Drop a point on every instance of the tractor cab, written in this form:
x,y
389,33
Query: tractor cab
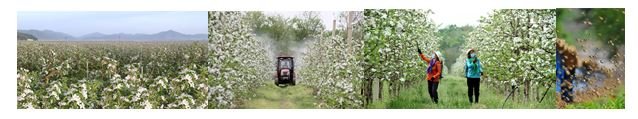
x,y
285,71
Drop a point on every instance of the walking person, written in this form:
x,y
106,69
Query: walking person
x,y
434,73
473,73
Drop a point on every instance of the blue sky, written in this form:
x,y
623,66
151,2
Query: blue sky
x,y
81,23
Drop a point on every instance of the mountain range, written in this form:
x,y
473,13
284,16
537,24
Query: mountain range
x,y
96,36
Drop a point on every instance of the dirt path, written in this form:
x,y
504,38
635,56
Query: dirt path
x,y
273,97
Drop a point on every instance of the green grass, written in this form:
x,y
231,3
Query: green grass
x,y
453,95
614,102
273,97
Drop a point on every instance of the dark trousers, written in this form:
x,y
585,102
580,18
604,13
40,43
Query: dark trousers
x,y
566,91
473,85
432,86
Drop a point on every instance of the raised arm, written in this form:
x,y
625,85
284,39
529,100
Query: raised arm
x,y
426,59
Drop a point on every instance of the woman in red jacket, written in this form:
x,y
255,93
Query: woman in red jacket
x,y
434,73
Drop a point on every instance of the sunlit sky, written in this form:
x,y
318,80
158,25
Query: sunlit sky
x,y
325,16
81,23
458,16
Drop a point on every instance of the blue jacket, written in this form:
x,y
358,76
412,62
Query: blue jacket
x,y
560,72
473,70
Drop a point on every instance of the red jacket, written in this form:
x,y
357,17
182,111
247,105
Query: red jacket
x,y
436,70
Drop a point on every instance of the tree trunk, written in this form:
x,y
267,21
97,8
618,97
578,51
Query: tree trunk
x,y
389,87
381,87
526,90
365,91
375,90
349,31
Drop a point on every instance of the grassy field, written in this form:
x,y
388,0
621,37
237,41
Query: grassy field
x,y
273,97
617,101
453,95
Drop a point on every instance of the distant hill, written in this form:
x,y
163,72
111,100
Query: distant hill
x,y
93,35
161,36
48,34
164,35
24,36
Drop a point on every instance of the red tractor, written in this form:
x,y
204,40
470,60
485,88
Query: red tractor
x,y
285,71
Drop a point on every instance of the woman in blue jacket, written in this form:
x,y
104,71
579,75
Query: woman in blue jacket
x,y
473,72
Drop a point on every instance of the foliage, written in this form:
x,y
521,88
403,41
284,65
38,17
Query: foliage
x,y
95,75
516,47
286,32
238,63
603,24
332,67
391,43
452,39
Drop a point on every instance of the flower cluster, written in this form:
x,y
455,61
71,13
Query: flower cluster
x,y
81,75
238,62
516,48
